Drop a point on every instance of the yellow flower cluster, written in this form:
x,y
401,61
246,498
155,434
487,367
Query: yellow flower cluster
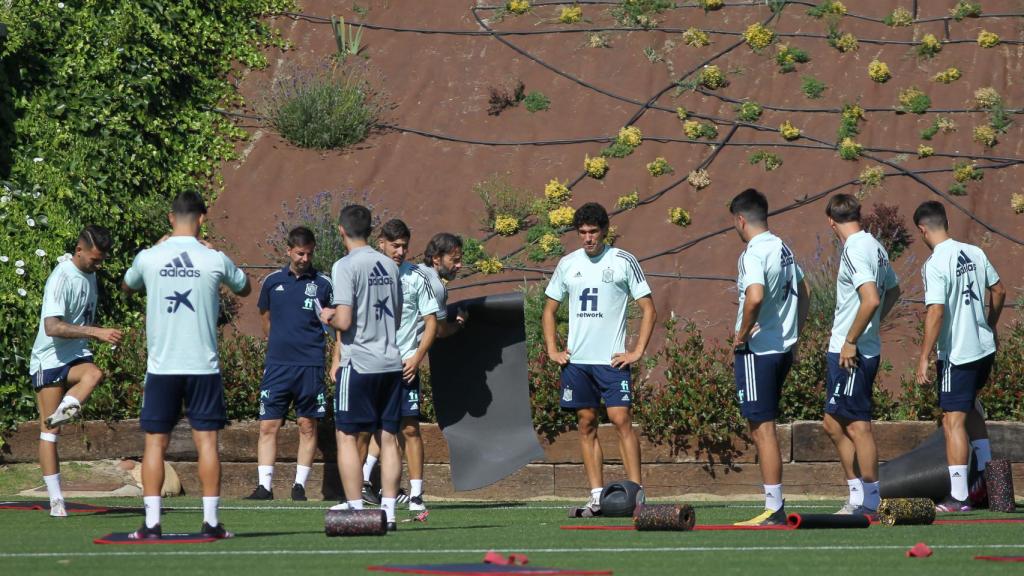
x,y
871,176
550,243
630,136
758,36
628,202
570,14
659,167
611,236
518,6
693,129
596,167
699,179
849,149
561,216
852,113
930,45
900,17
788,131
710,4
907,97
489,266
696,37
879,71
985,134
987,97
506,225
681,113
836,7
966,171
557,192
946,76
711,77
924,151
679,217
1017,203
846,43
987,39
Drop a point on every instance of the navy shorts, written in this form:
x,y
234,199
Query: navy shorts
x,y
367,402
56,376
282,385
959,384
759,379
411,397
850,391
202,394
584,385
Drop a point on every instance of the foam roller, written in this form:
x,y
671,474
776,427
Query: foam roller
x,y
675,517
906,511
355,523
999,482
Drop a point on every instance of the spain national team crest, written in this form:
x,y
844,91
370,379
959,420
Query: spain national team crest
x,y
311,290
608,276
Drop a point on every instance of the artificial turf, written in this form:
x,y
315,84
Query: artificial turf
x,y
285,538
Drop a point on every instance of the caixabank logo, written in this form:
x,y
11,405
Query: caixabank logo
x,y
180,267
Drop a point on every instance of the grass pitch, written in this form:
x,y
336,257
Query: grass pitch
x,y
284,537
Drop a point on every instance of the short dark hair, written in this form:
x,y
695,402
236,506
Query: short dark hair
x,y
301,236
843,208
442,243
931,214
188,204
357,221
592,214
93,236
752,205
395,229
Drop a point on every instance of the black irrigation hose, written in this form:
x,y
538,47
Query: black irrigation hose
x,y
731,100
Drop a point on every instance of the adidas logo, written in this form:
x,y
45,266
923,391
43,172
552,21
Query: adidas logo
x,y
578,275
379,276
964,264
831,400
956,475
280,288
321,410
414,407
962,259
180,267
625,398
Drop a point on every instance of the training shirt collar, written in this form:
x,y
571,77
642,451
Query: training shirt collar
x,y
288,271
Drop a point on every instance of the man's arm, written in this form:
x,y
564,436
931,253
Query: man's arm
x,y
869,302
932,327
246,289
412,365
752,301
550,338
265,322
446,328
336,356
892,296
803,304
650,316
997,298
340,318
56,327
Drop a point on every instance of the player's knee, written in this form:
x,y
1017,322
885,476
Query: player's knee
x,y
622,421
411,431
270,427
307,428
93,375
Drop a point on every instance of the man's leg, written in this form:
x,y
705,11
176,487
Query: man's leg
x,y
413,455
153,475
957,452
47,399
306,454
768,456
844,445
629,444
266,454
590,447
81,379
349,466
862,436
390,472
209,474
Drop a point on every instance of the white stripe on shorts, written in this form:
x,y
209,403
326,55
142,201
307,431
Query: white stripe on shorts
x,y
849,382
343,389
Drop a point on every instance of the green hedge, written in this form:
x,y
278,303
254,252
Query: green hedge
x,y
112,106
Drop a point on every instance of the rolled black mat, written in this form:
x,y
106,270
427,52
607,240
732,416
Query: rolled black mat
x,y
355,523
812,521
906,511
920,473
676,517
999,482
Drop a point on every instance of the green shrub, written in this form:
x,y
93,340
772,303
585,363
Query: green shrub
x,y
501,197
331,107
536,101
639,13
748,111
812,87
548,417
787,57
770,161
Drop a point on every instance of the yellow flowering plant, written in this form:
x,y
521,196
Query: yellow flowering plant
x,y
987,98
947,76
596,167
929,46
561,216
628,202
849,149
679,217
631,136
1017,203
988,39
696,37
711,77
900,17
517,6
506,225
924,151
659,167
758,36
871,177
788,131
556,192
570,14
489,266
986,135
879,71
699,179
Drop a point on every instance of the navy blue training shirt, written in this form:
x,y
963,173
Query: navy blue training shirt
x,y
296,334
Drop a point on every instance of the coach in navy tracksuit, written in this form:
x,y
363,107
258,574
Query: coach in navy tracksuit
x,y
290,302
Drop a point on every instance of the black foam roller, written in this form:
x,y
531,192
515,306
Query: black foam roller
x,y
921,473
355,523
672,517
813,521
999,482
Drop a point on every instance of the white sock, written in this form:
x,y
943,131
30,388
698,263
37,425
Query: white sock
x,y
856,492
355,504
152,504
872,495
210,505
388,506
415,487
53,486
595,495
773,497
68,401
958,482
302,474
371,461
266,476
982,452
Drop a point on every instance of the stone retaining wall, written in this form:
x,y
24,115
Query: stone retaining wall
x,y
810,466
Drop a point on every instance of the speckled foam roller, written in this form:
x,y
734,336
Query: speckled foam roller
x,y
355,523
674,517
906,511
999,481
